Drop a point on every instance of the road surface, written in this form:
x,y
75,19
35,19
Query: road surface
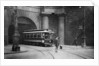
x,y
36,52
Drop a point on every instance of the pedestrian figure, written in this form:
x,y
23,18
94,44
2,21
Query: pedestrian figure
x,y
57,44
61,47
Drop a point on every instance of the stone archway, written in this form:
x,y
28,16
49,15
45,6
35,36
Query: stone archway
x,y
24,23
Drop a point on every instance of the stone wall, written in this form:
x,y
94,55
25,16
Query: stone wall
x,y
7,21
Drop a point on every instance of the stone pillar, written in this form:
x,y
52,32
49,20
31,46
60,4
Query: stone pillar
x,y
61,29
6,25
45,22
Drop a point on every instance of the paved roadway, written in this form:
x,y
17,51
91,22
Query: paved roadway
x,y
36,52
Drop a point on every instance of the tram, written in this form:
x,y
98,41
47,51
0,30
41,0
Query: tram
x,y
38,37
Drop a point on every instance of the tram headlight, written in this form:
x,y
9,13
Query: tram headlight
x,y
42,41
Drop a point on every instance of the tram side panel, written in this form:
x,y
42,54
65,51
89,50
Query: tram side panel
x,y
36,39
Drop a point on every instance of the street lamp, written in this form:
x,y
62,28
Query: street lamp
x,y
16,35
83,27
84,45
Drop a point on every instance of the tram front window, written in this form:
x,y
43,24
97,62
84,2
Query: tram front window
x,y
47,36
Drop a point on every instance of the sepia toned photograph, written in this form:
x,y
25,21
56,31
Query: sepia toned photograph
x,y
48,32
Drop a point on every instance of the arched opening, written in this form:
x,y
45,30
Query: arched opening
x,y
24,23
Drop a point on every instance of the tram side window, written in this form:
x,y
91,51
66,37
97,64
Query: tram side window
x,y
34,35
29,36
25,35
39,36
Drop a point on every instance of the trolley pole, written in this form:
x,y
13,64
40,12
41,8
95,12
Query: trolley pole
x,y
84,34
16,35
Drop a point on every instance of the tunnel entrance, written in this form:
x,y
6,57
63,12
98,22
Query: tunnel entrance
x,y
24,23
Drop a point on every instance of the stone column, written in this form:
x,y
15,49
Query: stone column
x,y
6,25
45,22
61,29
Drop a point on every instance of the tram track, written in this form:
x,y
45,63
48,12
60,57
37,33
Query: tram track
x,y
51,54
44,52
37,50
47,52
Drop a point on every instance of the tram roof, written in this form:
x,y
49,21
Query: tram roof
x,y
38,31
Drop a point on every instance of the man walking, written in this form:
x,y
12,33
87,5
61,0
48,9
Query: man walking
x,y
57,44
